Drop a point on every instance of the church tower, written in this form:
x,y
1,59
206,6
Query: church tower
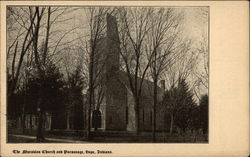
x,y
112,47
115,92
107,54
113,106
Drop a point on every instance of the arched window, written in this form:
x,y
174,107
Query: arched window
x,y
96,119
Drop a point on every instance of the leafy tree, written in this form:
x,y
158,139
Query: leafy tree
x,y
204,113
52,86
15,103
75,85
24,100
186,105
169,100
179,104
195,122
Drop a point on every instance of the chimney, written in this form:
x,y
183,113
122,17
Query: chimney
x,y
162,84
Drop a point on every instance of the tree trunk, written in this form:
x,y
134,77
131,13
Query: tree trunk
x,y
31,121
137,120
52,121
68,121
23,119
91,91
40,136
40,104
89,115
23,122
154,111
171,124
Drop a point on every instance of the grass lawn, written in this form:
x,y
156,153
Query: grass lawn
x,y
14,139
104,137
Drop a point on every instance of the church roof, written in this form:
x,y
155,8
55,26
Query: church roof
x,y
147,86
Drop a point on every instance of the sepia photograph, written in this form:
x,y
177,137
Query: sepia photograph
x,y
107,74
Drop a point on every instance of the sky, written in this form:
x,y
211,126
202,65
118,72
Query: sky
x,y
194,26
195,22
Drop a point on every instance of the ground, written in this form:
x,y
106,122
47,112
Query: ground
x,y
106,137
32,139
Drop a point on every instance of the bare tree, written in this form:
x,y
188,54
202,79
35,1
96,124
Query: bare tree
x,y
75,78
134,28
20,22
96,30
43,54
24,39
161,44
19,37
179,70
202,73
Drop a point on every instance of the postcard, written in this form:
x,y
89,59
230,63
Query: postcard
x,y
124,78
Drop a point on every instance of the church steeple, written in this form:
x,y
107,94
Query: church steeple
x,y
107,56
113,45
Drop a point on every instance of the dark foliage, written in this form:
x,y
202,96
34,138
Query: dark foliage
x,y
180,104
27,96
74,98
204,113
186,105
52,86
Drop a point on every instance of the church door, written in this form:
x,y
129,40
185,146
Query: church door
x,y
96,119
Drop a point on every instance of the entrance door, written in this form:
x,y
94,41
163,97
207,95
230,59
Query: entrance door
x,y
96,119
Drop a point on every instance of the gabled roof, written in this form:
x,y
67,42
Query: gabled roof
x,y
147,86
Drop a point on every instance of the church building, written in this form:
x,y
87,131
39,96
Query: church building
x,y
116,111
